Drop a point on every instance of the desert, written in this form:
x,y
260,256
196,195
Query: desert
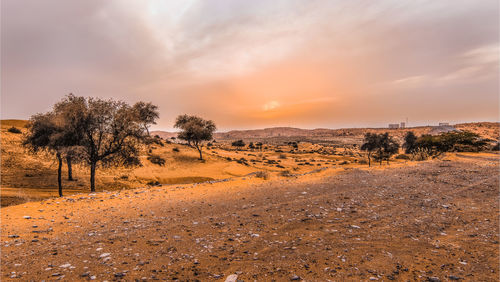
x,y
334,219
241,141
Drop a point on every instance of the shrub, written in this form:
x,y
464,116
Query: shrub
x,y
262,174
363,161
286,173
344,163
462,141
154,183
14,130
282,156
496,147
420,154
175,149
238,144
132,161
155,159
402,157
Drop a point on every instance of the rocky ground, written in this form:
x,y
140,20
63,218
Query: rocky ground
x,y
433,221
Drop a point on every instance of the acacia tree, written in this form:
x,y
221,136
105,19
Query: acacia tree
x,y
383,145
389,147
195,130
109,131
410,142
49,132
370,144
147,113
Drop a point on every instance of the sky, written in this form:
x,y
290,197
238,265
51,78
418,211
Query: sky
x,y
256,64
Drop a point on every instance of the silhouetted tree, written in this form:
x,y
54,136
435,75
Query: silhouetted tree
x,y
410,142
195,130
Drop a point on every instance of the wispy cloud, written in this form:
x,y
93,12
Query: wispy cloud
x,y
312,58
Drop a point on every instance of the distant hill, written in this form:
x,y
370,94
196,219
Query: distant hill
x,y
485,129
14,122
163,134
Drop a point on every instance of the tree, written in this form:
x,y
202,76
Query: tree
x,y
109,131
251,145
49,132
195,130
389,147
239,144
146,113
410,142
370,144
67,110
383,145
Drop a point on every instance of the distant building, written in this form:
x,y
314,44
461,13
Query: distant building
x,y
402,125
444,124
394,125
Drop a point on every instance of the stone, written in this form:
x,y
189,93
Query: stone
x,y
231,278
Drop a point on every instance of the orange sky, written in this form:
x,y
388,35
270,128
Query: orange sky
x,y
254,64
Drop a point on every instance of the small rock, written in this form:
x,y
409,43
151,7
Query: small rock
x,y
231,278
295,277
104,255
27,217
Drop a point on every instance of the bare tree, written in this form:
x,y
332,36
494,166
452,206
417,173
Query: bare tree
x,y
195,130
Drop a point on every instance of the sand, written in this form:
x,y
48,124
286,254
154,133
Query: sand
x,y
435,220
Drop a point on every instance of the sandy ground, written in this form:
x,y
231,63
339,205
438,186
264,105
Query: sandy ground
x,y
434,221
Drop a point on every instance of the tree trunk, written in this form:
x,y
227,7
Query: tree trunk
x,y
199,150
369,159
59,172
70,169
92,176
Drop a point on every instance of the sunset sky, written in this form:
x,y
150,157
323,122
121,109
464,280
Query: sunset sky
x,y
255,64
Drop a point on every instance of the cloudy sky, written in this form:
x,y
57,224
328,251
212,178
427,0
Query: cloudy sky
x,y
254,64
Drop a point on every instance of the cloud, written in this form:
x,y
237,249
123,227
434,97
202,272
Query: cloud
x,y
230,60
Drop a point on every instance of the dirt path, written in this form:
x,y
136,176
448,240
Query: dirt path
x,y
435,220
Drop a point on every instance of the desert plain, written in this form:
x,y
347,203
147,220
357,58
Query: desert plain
x,y
318,213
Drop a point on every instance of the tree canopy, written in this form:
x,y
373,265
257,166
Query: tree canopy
x,y
195,130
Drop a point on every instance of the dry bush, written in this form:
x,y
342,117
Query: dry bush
x,y
14,130
402,157
156,159
262,174
420,154
286,173
175,149
282,156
